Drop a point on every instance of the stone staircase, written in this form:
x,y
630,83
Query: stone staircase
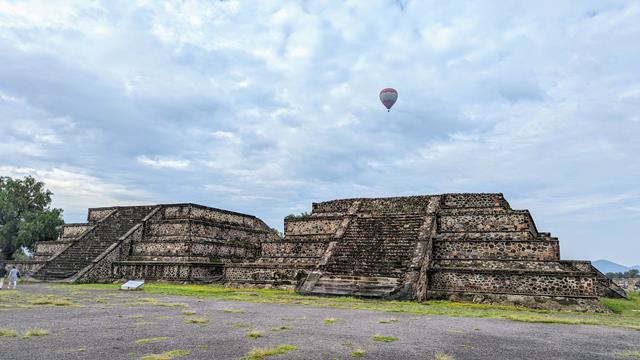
x,y
356,286
370,259
376,246
88,247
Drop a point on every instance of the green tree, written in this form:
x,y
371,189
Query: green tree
x,y
302,215
623,275
26,215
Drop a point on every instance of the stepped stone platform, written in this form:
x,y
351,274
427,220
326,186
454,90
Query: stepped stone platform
x,y
467,247
179,242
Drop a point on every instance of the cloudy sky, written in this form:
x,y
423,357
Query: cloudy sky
x,y
265,107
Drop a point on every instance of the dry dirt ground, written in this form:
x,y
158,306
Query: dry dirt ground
x,y
101,324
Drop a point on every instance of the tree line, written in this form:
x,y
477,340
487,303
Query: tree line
x,y
623,275
26,216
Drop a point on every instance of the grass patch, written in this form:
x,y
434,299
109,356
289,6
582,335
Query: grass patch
x,y
168,355
443,356
35,332
330,321
188,312
240,325
82,349
151,340
234,311
7,333
626,313
261,353
198,321
630,354
388,321
386,339
280,328
136,317
50,300
358,353
623,306
254,334
156,302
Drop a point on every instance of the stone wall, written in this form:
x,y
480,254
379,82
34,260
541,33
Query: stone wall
x,y
507,282
486,236
75,231
192,233
190,250
488,222
395,205
540,266
474,201
516,250
97,214
47,249
312,226
543,302
337,207
207,214
25,267
390,205
288,249
171,271
267,275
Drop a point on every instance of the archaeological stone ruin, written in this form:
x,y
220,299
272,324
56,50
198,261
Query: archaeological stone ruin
x,y
464,247
177,242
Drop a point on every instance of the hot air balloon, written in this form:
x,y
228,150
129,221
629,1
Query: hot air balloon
x,y
388,97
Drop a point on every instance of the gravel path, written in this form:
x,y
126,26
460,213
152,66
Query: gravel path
x,y
108,323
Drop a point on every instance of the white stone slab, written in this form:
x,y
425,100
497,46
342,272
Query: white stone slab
x,y
133,285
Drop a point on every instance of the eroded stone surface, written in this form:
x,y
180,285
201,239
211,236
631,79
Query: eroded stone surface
x,y
185,242
458,246
387,247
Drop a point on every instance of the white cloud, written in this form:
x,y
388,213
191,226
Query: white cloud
x,y
74,190
163,162
275,105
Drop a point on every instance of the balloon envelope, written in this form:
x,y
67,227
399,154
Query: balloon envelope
x,y
388,97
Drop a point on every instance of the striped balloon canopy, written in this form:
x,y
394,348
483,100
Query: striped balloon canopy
x,y
388,97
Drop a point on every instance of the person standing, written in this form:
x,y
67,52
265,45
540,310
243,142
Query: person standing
x,y
3,273
13,277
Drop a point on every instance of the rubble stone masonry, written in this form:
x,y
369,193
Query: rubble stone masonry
x,y
467,247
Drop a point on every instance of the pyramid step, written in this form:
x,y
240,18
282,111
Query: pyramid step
x,y
369,287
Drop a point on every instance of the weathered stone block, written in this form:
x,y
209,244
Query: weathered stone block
x,y
312,226
516,250
74,231
486,222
